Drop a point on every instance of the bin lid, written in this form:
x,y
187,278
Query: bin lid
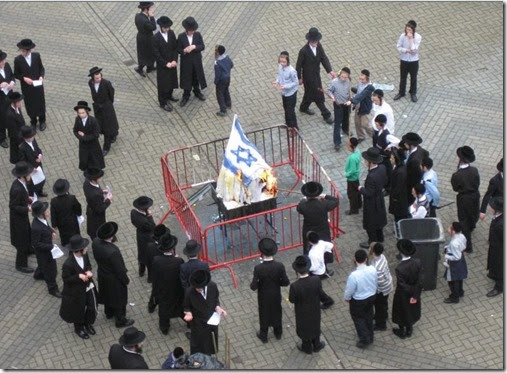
x,y
426,230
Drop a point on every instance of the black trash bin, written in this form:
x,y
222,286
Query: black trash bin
x,y
427,234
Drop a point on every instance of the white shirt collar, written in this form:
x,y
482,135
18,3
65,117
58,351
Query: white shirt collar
x,y
304,276
403,258
314,49
129,351
84,121
466,165
42,220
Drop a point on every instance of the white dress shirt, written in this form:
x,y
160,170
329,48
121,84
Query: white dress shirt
x,y
164,35
190,39
316,255
314,50
96,85
29,59
404,45
387,110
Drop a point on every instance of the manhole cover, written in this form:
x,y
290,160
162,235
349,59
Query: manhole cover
x,y
129,62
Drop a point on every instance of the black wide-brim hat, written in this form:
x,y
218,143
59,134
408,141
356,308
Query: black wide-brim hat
x,y
164,21
26,44
39,207
268,246
466,154
199,278
145,4
143,203
301,264
107,230
312,189
190,24
406,247
27,132
496,204
94,173
412,138
131,337
3,55
372,155
82,105
94,70
159,231
61,187
192,248
15,96
313,34
21,169
77,243
167,242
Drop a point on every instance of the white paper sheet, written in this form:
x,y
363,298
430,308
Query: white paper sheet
x,y
56,252
37,83
80,219
38,176
214,319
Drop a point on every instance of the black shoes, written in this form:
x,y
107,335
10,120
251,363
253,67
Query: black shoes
x,y
82,334
278,336
164,331
42,126
151,307
125,323
325,306
308,111
140,72
413,97
263,340
4,144
56,293
329,120
349,212
183,101
150,69
319,347
142,270
337,148
451,300
469,250
364,245
398,96
494,293
200,96
300,348
379,328
89,329
167,107
221,113
400,332
25,269
362,344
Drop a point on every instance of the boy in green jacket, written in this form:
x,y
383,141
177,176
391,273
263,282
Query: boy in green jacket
x,y
352,171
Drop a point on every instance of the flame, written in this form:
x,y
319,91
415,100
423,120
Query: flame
x,y
271,182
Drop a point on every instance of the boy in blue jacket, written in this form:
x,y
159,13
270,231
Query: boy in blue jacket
x,y
223,66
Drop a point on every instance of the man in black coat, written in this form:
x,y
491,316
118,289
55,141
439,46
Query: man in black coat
x,y
190,45
308,69
374,208
112,273
315,208
141,218
42,242
28,69
495,189
268,277
65,210
20,200
97,201
191,250
87,131
127,354
7,83
145,23
306,293
411,142
381,143
398,201
14,121
152,248
79,295
496,247
166,54
201,302
167,289
466,182
30,152
103,106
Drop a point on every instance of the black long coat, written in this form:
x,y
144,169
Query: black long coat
x,y
35,101
103,107
267,279
42,242
90,153
315,215
4,101
409,285
398,202
96,207
166,283
308,69
495,189
64,212
27,154
191,62
201,339
112,274
121,359
466,182
73,305
496,248
18,215
145,27
414,170
167,79
13,123
144,233
305,293
374,207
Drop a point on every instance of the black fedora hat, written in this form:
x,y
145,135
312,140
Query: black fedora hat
x,y
164,21
191,248
27,132
15,96
39,207
312,189
372,155
406,247
145,4
301,264
143,203
131,336
3,55
199,278
411,138
268,246
61,187
313,34
21,169
82,105
94,173
496,203
94,70
466,154
167,242
159,231
77,243
190,24
107,230
26,44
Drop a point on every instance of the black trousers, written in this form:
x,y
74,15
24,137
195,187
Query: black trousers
x,y
456,288
467,218
499,285
3,129
319,101
309,345
289,107
223,94
90,311
380,307
354,196
361,312
277,328
376,235
433,211
47,270
389,171
149,67
33,120
22,256
408,68
108,140
195,86
119,313
163,96
164,320
324,298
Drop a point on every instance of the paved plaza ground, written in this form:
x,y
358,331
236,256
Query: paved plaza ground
x,y
460,102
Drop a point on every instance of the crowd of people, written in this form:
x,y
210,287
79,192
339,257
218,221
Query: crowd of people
x,y
397,168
